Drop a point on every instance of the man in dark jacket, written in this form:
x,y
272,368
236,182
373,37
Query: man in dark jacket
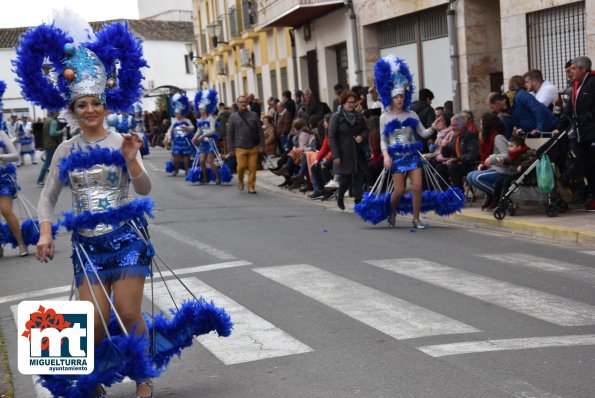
x,y
245,140
461,154
289,103
580,110
51,138
423,107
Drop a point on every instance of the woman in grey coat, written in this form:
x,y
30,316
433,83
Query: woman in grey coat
x,y
348,136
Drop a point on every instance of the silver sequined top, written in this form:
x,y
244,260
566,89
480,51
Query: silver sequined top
x,y
95,189
401,136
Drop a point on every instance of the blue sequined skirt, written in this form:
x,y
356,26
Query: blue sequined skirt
x,y
403,162
115,255
206,146
8,181
181,146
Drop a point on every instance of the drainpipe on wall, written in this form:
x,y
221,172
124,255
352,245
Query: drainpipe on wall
x,y
454,55
294,59
353,28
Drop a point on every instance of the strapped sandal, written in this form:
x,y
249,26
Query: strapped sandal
x,y
147,383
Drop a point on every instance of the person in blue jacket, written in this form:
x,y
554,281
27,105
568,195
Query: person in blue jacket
x,y
519,109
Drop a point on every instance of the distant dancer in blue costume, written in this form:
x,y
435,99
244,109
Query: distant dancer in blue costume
x,y
398,124
206,136
111,250
8,184
181,133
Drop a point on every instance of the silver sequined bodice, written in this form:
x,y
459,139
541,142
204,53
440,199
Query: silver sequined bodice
x,y
403,136
179,132
98,188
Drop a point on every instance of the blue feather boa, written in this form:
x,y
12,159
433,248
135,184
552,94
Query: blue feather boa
x,y
194,318
79,159
225,173
136,208
123,356
385,81
29,230
375,209
116,43
169,166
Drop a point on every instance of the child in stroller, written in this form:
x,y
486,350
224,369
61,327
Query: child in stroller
x,y
522,161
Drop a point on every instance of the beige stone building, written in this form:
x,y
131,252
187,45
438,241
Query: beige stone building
x,y
494,40
460,49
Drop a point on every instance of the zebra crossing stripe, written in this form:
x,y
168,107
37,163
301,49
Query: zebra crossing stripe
x,y
253,338
544,306
574,271
472,347
388,314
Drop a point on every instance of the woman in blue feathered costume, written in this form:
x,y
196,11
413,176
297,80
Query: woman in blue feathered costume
x,y
206,136
400,149
111,250
8,191
181,133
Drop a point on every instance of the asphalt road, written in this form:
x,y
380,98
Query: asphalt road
x,y
327,306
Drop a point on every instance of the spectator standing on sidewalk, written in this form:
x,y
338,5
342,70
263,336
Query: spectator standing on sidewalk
x,y
338,92
289,103
518,108
581,110
423,107
51,137
544,91
282,126
245,140
347,134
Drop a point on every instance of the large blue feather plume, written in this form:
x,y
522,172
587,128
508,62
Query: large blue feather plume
x,y
388,72
35,46
116,43
208,98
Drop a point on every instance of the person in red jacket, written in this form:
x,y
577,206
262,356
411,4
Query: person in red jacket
x,y
321,169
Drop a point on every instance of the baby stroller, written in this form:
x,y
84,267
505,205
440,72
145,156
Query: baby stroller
x,y
554,203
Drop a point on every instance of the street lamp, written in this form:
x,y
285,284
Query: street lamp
x,y
214,31
192,51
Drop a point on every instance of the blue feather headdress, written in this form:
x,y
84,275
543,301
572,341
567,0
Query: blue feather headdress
x,y
58,63
392,77
180,104
206,99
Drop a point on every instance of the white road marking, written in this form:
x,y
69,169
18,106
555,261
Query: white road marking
x,y
574,271
166,274
201,268
591,252
548,307
253,338
220,254
472,347
391,315
523,389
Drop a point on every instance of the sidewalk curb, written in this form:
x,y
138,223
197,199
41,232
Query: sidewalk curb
x,y
557,234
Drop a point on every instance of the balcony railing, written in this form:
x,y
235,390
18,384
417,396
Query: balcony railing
x,y
271,11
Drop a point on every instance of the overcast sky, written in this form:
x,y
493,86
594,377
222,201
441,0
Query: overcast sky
x,y
17,13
